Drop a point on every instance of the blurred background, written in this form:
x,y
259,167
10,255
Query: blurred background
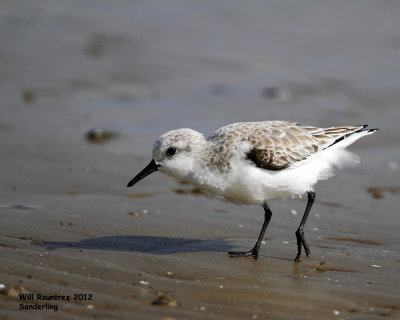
x,y
86,86
140,68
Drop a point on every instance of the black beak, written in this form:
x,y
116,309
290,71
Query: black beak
x,y
151,167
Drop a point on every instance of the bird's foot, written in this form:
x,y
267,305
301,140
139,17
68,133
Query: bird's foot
x,y
297,259
252,253
301,241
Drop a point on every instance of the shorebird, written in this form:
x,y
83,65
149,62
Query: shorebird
x,y
253,162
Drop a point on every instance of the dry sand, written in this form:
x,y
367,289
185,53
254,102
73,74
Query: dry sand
x,y
68,225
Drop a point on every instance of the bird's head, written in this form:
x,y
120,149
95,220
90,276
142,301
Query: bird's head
x,y
174,153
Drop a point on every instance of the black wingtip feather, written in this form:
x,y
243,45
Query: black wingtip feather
x,y
369,130
361,129
349,134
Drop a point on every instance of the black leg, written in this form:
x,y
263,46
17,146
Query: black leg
x,y
301,241
255,251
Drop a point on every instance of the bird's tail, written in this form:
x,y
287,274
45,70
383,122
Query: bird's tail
x,y
348,134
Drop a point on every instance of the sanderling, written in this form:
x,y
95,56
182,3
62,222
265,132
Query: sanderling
x,y
253,162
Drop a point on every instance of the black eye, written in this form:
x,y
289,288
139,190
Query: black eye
x,y
171,151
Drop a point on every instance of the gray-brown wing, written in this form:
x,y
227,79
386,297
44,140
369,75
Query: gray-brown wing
x,y
281,144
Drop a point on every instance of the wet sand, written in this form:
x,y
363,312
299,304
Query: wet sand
x,y
70,227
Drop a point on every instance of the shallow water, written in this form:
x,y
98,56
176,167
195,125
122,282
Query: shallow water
x,y
137,69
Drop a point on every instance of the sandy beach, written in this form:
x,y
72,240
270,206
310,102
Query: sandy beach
x,y
87,86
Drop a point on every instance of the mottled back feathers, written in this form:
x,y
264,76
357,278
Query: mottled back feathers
x,y
276,145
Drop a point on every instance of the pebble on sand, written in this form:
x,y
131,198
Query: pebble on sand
x,y
164,300
98,135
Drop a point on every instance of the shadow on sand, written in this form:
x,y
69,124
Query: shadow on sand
x,y
143,244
